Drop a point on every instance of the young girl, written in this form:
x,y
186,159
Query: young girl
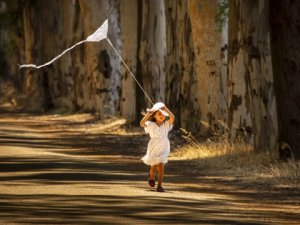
x,y
158,149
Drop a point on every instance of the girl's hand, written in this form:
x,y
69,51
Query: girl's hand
x,y
146,117
172,117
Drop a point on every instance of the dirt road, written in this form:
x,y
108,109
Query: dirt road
x,y
77,170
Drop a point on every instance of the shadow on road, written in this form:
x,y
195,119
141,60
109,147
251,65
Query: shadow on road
x,y
55,172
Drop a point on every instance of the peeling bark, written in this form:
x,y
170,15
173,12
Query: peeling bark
x,y
88,78
251,96
102,66
153,49
183,92
211,81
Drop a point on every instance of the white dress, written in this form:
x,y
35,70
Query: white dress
x,y
159,145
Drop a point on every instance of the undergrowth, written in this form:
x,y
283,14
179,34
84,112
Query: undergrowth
x,y
218,156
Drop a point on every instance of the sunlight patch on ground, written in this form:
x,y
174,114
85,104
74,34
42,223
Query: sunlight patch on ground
x,y
62,173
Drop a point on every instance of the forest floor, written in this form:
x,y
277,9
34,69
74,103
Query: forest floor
x,y
75,169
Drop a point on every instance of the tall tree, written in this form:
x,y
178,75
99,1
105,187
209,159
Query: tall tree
x,y
183,89
32,79
210,80
251,95
101,65
152,49
129,39
285,27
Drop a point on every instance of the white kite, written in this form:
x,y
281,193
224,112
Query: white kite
x,y
98,35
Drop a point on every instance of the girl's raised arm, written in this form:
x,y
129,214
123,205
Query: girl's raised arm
x,y
144,120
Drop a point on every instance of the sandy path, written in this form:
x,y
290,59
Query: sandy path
x,y
75,170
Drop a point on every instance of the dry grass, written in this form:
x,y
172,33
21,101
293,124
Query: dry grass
x,y
220,157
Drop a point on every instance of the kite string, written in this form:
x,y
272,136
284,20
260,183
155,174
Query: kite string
x,y
129,71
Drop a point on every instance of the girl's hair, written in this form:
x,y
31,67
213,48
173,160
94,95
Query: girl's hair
x,y
152,118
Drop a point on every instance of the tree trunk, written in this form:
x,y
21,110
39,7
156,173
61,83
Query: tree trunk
x,y
153,50
285,24
58,83
128,23
183,93
101,83
211,82
251,96
12,53
33,80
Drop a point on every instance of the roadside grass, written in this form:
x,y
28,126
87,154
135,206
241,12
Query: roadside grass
x,y
220,157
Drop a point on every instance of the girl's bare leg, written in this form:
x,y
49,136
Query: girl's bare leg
x,y
153,171
161,173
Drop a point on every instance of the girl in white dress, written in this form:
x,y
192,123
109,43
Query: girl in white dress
x,y
158,149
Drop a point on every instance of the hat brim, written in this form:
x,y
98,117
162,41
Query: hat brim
x,y
157,106
163,112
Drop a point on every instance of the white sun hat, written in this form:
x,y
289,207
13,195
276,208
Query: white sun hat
x,y
158,106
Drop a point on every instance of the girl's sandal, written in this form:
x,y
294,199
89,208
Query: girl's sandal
x,y
151,182
160,189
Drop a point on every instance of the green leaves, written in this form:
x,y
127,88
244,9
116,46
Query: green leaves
x,y
222,14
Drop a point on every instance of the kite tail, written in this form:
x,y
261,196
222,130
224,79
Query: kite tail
x,y
48,63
